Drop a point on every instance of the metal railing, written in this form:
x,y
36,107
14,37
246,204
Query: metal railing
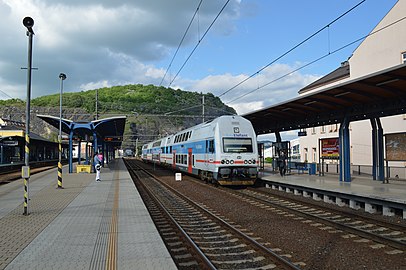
x,y
391,173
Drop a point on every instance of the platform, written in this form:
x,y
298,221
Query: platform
x,y
86,225
362,192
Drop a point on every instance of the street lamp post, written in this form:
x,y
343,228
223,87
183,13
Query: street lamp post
x,y
62,77
28,22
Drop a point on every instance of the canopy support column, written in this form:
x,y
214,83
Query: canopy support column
x,y
71,151
345,164
79,151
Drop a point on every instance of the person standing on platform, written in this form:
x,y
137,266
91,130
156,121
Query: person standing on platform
x,y
100,155
97,166
282,164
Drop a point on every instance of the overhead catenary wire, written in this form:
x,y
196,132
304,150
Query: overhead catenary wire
x,y
4,93
181,41
316,60
292,49
198,42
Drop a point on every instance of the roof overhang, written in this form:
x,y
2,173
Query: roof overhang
x,y
377,95
112,127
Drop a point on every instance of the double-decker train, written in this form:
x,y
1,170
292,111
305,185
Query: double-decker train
x,y
222,151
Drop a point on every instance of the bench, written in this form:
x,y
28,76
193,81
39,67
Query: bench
x,y
301,167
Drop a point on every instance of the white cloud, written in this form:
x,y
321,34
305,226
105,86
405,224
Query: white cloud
x,y
95,42
94,85
102,44
281,87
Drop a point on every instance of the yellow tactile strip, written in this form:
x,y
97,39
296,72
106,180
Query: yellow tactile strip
x,y
106,248
111,260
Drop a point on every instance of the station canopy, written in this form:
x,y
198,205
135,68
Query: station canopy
x,y
377,95
109,130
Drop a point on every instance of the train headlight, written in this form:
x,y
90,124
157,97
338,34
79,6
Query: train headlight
x,y
245,161
227,162
231,161
222,161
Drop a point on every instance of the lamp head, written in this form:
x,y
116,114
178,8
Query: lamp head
x,y
29,23
62,76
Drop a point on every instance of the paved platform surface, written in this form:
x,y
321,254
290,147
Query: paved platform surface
x,y
394,191
86,225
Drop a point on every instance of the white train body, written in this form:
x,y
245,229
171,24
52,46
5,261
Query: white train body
x,y
223,150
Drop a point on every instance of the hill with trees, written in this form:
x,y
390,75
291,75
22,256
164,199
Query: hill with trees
x,y
151,111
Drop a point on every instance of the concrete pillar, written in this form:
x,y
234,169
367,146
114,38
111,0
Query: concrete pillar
x,y
340,202
316,197
328,199
370,208
354,205
387,211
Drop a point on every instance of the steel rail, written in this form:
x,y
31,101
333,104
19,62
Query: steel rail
x,y
369,235
280,259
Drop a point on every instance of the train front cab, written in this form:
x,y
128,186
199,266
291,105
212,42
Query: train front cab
x,y
238,165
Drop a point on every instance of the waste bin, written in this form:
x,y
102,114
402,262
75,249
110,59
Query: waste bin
x,y
312,168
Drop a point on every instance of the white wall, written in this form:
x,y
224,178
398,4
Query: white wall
x,y
377,52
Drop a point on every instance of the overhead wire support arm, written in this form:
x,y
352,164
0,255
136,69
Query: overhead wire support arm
x,y
191,107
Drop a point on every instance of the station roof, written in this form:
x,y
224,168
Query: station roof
x,y
377,95
112,127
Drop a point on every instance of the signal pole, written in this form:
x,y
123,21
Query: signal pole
x,y
203,108
62,76
28,22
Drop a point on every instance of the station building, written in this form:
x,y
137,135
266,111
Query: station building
x,y
383,48
12,144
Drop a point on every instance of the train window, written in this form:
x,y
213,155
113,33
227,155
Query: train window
x,y
156,144
211,146
237,145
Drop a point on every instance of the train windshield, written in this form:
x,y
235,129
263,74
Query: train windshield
x,y
237,145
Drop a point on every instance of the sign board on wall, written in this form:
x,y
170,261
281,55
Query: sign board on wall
x,y
330,148
395,146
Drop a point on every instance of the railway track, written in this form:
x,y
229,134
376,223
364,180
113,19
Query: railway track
x,y
350,224
207,240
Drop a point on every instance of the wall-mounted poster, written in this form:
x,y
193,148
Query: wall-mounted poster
x,y
395,146
330,148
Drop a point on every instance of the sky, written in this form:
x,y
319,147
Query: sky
x,y
103,43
